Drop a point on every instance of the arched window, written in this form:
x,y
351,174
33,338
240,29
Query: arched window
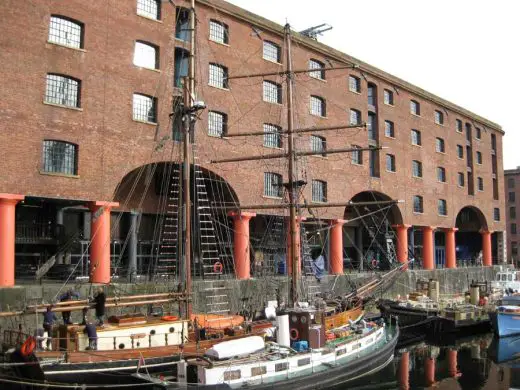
x,y
66,31
149,8
146,55
59,157
62,90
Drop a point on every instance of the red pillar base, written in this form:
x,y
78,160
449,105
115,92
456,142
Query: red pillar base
x,y
451,257
428,262
486,248
429,371
241,248
7,237
336,246
402,242
100,241
452,363
404,371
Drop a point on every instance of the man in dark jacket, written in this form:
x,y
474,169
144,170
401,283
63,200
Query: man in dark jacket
x,y
99,304
68,296
49,318
90,330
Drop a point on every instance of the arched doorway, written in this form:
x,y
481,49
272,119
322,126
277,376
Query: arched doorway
x,y
470,222
153,219
369,237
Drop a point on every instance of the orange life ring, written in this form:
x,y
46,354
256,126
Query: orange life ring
x,y
294,334
169,318
28,346
218,267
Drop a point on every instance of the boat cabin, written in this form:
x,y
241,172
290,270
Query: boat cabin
x,y
507,280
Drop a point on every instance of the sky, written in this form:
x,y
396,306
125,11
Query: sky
x,y
466,52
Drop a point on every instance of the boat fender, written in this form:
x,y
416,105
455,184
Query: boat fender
x,y
169,318
218,267
28,346
294,334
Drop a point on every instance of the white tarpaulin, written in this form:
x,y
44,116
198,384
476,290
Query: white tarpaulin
x,y
239,347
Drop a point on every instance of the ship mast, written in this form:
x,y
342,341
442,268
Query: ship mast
x,y
293,255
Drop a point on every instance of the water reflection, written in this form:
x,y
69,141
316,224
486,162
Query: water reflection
x,y
480,362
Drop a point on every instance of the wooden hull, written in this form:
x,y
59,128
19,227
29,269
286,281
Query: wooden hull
x,y
343,318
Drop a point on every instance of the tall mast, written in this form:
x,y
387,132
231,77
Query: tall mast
x,y
294,254
189,90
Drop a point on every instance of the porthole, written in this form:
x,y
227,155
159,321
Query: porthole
x,y
172,329
121,346
294,319
138,344
152,332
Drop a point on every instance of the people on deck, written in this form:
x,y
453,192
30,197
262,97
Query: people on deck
x,y
68,296
49,318
90,330
99,304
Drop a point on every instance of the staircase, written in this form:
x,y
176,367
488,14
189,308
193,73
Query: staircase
x,y
168,253
208,263
45,267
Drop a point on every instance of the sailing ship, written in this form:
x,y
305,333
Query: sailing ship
x,y
311,338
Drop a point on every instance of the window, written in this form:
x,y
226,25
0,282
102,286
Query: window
x,y
62,90
60,157
218,76
496,214
458,125
479,158
146,55
355,117
232,375
512,212
511,197
318,106
460,151
272,52
493,142
319,191
416,168
442,208
317,74
272,92
480,184
182,24
217,124
354,84
417,204
373,163
478,133
390,163
304,362
439,117
182,63
388,97
281,366
415,107
65,31
255,371
272,136
439,145
145,108
511,182
460,179
273,184
149,8
357,155
513,228
389,129
416,137
372,95
218,32
372,126
318,144
441,174
514,248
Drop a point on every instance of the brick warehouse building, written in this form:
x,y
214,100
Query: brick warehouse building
x,y
88,89
511,186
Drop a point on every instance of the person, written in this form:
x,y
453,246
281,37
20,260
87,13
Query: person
x,y
318,264
68,296
91,331
84,313
49,318
99,304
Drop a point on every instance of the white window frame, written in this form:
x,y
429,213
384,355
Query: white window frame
x,y
357,113
270,89
318,107
354,84
146,55
272,52
269,185
146,8
318,73
272,136
218,32
218,76
319,191
64,31
217,124
150,102
318,144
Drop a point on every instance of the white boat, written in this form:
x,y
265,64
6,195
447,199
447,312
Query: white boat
x,y
507,280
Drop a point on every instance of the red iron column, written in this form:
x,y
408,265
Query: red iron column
x,y
429,371
100,241
404,371
452,362
7,237
336,246
428,248
402,242
451,259
241,248
486,248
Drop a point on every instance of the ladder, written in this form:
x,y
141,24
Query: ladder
x,y
168,251
208,262
310,286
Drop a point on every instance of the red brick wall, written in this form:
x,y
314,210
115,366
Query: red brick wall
x,y
111,144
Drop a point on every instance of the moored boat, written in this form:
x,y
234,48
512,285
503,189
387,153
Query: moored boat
x,y
506,321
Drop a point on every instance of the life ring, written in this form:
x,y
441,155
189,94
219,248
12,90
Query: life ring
x,y
374,263
28,346
169,318
294,334
218,267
